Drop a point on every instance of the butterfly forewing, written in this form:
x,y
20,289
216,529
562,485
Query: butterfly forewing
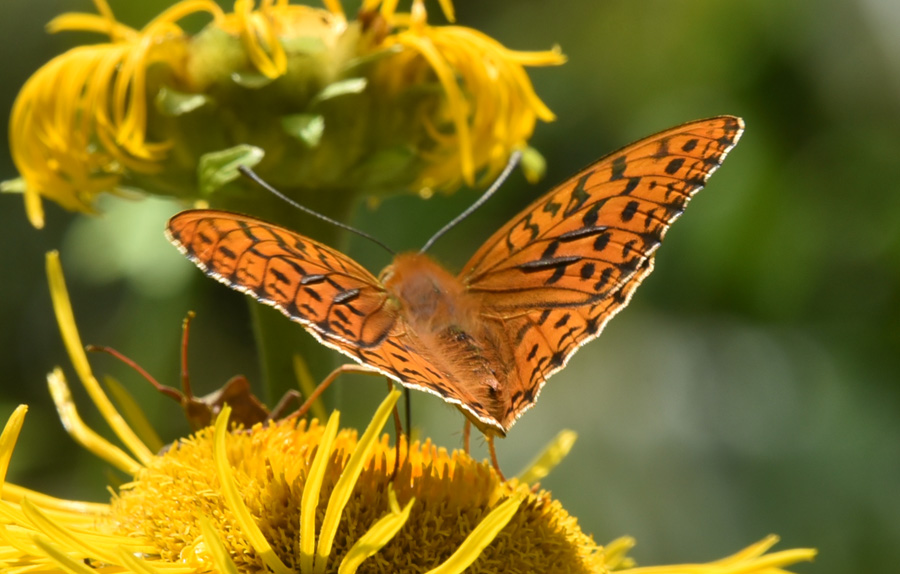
x,y
332,295
558,271
594,230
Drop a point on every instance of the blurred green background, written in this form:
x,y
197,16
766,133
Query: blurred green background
x,y
750,388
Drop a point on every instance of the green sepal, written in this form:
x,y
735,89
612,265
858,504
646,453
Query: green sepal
x,y
16,185
533,164
341,88
219,168
307,128
251,79
173,103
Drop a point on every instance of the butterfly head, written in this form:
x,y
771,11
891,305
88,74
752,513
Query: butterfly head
x,y
427,293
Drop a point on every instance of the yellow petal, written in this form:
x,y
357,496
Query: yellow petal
x,y
480,537
344,486
79,431
224,563
377,536
9,437
551,456
309,501
249,527
66,320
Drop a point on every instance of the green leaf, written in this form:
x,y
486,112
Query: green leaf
x,y
303,45
341,88
533,164
219,168
173,103
307,128
16,185
251,79
360,64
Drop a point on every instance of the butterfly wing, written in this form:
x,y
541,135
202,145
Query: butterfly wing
x,y
553,276
334,297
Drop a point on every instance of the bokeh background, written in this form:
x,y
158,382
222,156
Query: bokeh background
x,y
751,387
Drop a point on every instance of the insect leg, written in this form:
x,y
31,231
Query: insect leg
x,y
493,451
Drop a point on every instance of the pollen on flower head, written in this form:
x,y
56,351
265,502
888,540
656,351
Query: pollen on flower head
x,y
452,493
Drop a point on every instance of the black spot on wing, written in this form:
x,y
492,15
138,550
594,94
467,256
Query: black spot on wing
x,y
631,185
579,195
550,251
587,270
520,335
557,359
602,241
605,276
629,211
591,215
340,315
674,165
227,253
558,274
630,266
618,168
204,238
551,207
278,275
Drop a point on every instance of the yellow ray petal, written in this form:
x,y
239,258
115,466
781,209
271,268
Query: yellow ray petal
x,y
249,527
310,498
377,536
79,431
9,437
551,456
217,550
344,486
479,538
66,319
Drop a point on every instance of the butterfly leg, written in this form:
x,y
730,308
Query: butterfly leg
x,y
467,433
326,382
398,432
282,405
493,451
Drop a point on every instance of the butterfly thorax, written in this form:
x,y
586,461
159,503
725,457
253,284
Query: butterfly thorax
x,y
444,317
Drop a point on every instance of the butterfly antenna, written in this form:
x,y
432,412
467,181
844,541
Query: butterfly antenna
x,y
513,160
247,172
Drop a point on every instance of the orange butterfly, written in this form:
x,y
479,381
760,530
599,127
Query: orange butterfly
x,y
487,339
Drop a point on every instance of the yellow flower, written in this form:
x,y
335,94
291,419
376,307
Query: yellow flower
x,y
321,104
297,497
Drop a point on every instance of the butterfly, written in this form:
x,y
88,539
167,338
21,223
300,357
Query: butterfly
x,y
487,339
